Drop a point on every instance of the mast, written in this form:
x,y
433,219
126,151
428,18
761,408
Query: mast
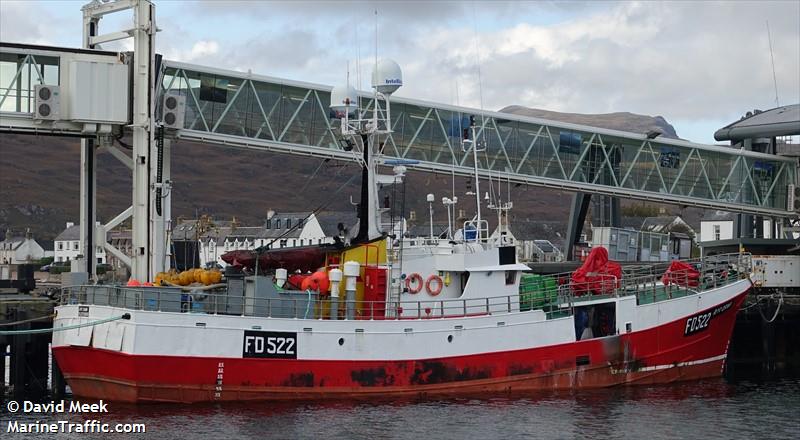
x,y
386,78
363,211
477,179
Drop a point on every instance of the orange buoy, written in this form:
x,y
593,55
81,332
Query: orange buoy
x,y
414,283
319,281
133,283
439,284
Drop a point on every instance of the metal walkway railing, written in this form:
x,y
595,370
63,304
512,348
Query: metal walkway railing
x,y
252,111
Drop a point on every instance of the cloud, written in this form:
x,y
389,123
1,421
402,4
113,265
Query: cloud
x,y
698,62
200,51
681,61
19,25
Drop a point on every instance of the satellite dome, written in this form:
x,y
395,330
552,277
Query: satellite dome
x,y
344,99
387,77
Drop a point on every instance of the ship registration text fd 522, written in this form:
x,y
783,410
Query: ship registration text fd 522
x,y
277,345
699,322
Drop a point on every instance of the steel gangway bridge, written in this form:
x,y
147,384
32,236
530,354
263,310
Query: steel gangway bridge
x,y
245,110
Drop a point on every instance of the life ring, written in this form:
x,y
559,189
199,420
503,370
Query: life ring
x,y
418,283
439,285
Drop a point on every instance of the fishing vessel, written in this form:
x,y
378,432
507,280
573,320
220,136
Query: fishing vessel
x,y
386,316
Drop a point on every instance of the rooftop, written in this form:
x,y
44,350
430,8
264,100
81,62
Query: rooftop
x,y
779,121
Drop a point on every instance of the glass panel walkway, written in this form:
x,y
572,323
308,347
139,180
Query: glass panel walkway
x,y
246,110
249,110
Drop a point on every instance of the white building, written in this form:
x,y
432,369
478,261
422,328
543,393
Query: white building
x,y
20,250
280,230
68,243
720,226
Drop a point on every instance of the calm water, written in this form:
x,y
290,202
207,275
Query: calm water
x,y
698,410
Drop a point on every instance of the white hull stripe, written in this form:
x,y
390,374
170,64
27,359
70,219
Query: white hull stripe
x,y
678,364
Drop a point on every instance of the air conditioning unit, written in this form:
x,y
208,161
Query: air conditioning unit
x,y
173,110
47,102
793,204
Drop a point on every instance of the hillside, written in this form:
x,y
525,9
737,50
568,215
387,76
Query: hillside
x,y
623,121
39,182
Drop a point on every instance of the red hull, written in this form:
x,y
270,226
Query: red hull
x,y
658,355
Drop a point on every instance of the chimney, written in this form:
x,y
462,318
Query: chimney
x,y
70,224
270,214
8,234
412,216
28,234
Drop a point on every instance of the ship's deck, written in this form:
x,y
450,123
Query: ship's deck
x,y
554,295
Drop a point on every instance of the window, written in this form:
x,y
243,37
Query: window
x,y
278,224
716,232
60,247
511,277
75,245
288,223
302,241
283,243
269,224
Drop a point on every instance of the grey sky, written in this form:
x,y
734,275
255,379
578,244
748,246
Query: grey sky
x,y
698,64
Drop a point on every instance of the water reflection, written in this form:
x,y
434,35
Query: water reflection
x,y
705,409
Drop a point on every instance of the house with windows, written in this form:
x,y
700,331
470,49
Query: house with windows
x,y
20,250
67,245
202,242
720,225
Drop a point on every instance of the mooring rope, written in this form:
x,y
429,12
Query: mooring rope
x,y
777,309
40,318
68,327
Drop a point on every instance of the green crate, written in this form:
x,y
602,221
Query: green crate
x,y
536,291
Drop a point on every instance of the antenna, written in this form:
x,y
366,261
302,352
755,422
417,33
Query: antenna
x,y
358,68
772,57
478,65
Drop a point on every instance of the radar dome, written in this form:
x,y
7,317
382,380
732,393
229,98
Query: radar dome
x,y
387,77
344,99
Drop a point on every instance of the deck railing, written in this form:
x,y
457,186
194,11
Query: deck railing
x,y
555,299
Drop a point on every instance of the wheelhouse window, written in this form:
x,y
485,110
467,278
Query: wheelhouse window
x,y
511,277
